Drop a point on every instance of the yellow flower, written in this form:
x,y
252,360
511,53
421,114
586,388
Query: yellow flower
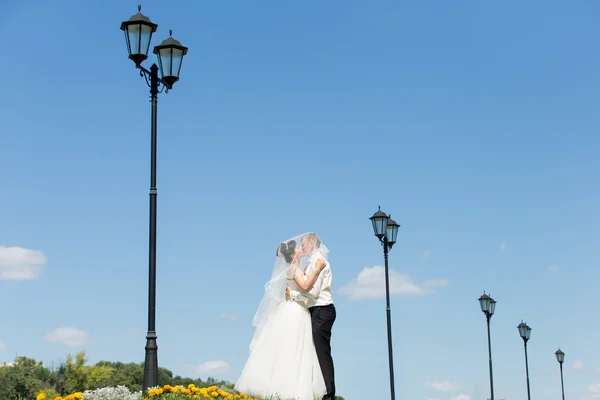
x,y
41,396
58,398
155,392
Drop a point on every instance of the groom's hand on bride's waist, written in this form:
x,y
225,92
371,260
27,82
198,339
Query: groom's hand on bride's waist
x,y
287,292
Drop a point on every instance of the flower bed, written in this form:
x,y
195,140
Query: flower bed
x,y
166,392
180,392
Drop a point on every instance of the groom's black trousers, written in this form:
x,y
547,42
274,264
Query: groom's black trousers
x,y
323,318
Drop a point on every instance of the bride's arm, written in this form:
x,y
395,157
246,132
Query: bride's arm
x,y
307,283
295,272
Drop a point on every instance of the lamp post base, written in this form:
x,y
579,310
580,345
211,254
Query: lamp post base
x,y
151,362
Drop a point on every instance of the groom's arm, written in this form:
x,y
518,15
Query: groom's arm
x,y
297,296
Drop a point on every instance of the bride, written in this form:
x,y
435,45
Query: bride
x,y
283,361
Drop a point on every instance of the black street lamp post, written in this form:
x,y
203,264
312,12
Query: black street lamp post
x,y
560,357
386,230
525,332
488,305
138,34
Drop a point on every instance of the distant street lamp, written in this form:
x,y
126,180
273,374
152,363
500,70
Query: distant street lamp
x,y
386,230
138,34
525,332
560,357
488,305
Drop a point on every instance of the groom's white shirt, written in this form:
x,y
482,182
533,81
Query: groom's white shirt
x,y
320,293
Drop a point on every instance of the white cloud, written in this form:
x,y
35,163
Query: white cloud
x,y
461,397
503,246
427,254
7,364
2,345
229,317
553,269
19,264
370,284
71,337
578,365
210,368
592,392
443,386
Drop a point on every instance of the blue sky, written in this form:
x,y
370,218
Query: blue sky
x,y
475,124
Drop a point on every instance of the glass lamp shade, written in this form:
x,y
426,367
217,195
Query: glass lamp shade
x,y
560,356
391,231
138,34
380,223
524,330
492,306
170,56
487,304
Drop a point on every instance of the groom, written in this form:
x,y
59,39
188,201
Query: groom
x,y
317,288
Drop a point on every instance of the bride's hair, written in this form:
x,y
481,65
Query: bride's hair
x,y
287,250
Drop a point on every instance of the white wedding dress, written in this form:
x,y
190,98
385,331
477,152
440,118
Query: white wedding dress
x,y
283,361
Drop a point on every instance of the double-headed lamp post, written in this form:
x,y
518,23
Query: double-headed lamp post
x,y
560,357
525,332
488,305
386,230
138,34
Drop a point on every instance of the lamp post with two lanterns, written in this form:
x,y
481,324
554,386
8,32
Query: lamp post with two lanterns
x,y
560,357
525,332
488,305
386,230
138,34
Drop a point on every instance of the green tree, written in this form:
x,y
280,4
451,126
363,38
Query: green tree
x,y
23,379
58,379
80,377
165,376
126,374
